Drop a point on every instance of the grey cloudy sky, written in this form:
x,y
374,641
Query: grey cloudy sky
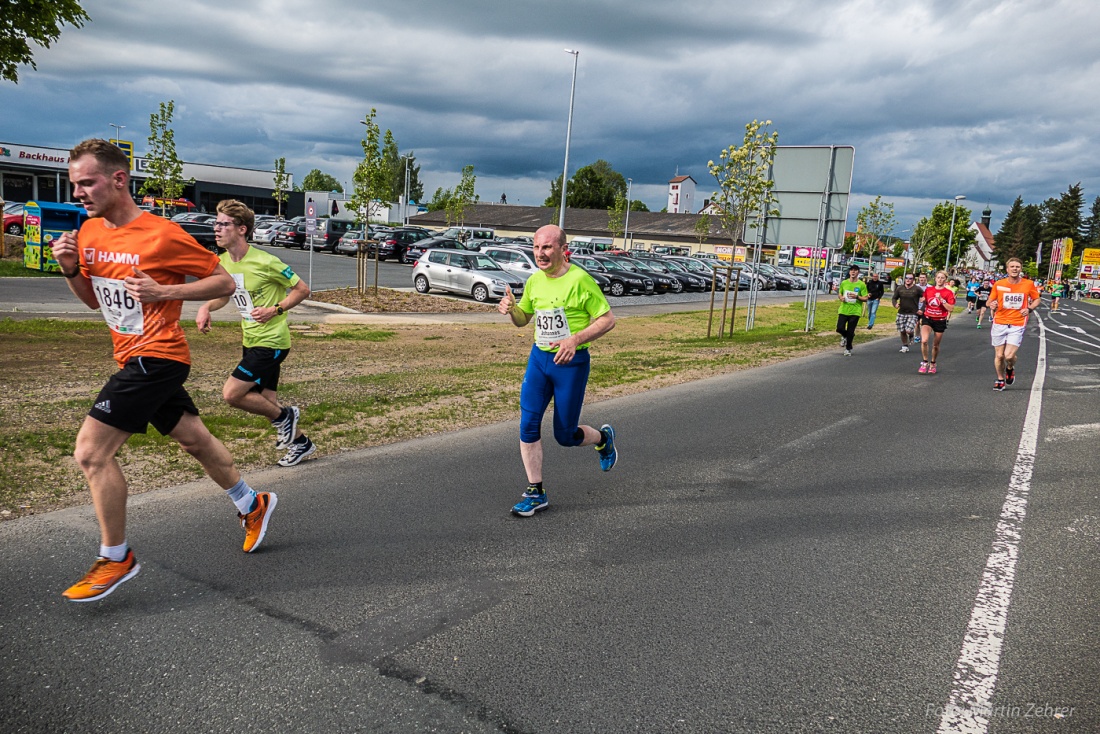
x,y
989,99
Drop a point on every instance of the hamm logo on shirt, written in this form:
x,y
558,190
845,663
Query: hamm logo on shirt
x,y
288,273
100,256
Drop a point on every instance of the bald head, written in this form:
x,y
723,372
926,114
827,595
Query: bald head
x,y
550,250
551,234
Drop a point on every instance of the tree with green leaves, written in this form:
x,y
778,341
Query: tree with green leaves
x,y
439,200
281,181
1090,230
23,22
874,223
594,186
616,217
370,175
702,229
315,180
940,229
165,179
744,180
638,206
462,196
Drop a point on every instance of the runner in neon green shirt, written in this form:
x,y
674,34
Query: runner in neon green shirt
x,y
569,312
852,294
266,290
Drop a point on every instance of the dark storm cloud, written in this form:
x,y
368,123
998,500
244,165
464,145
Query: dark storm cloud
x,y
988,99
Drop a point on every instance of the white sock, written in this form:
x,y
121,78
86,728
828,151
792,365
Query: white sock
x,y
242,495
114,552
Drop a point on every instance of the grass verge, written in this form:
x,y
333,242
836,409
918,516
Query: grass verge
x,y
356,386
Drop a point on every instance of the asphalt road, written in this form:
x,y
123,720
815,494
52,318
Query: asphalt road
x,y
796,548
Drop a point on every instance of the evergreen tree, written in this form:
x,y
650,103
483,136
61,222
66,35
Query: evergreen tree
x,y
1062,218
1090,232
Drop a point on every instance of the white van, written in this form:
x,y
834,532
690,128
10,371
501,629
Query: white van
x,y
472,234
595,244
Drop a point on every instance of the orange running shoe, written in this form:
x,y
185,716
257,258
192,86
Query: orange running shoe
x,y
255,522
104,577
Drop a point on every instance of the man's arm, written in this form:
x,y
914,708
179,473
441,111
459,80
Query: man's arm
x,y
298,293
508,307
202,319
567,348
218,284
66,254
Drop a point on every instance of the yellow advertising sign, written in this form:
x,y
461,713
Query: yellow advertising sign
x,y
127,147
1090,256
1069,251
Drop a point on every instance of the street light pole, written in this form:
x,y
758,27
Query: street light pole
x,y
951,236
626,224
568,133
117,128
405,208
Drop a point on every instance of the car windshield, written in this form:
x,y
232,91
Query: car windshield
x,y
613,265
660,267
483,262
675,267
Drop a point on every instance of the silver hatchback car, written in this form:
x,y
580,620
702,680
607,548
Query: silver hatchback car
x,y
468,273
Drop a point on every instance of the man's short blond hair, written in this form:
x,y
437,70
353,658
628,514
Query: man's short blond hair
x,y
108,155
241,214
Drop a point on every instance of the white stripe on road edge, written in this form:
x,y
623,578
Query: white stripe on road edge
x,y
970,704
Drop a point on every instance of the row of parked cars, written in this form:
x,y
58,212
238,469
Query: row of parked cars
x,y
483,270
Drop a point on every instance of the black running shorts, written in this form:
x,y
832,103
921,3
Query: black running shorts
x,y
146,390
938,325
261,366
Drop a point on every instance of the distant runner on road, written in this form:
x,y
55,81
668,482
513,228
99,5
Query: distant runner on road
x,y
1012,301
262,297
938,300
906,300
570,312
134,265
852,294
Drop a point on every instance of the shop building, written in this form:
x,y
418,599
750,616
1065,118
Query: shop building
x,y
35,173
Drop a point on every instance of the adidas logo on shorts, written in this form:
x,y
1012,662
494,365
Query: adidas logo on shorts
x,y
104,406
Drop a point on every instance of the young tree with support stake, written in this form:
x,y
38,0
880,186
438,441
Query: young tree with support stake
x,y
369,178
281,181
461,197
744,181
165,169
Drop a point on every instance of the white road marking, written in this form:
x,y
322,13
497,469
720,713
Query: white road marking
x,y
970,703
1078,329
803,442
1081,430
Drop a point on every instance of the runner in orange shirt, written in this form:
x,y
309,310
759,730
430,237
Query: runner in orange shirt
x,y
133,265
1011,302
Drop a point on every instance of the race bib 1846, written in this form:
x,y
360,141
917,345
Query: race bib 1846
x,y
120,310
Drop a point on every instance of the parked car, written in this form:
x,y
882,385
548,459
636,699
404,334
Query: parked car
x,y
329,232
350,243
264,232
462,271
203,234
291,235
515,260
711,258
13,218
414,251
200,217
688,281
763,281
783,282
623,281
1094,292
706,270
661,283
601,280
394,244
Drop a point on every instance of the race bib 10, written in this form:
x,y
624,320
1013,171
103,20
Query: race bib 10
x,y
241,298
